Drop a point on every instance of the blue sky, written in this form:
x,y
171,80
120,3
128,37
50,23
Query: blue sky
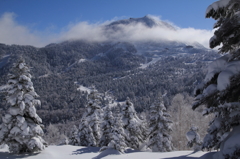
x,y
51,17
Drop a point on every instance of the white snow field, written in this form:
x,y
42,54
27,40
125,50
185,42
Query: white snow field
x,y
79,152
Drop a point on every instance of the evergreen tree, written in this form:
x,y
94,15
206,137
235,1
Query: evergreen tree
x,y
227,34
220,90
117,136
134,127
107,126
89,128
21,129
160,128
85,134
74,140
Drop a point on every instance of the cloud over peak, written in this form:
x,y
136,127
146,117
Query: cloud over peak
x,y
148,28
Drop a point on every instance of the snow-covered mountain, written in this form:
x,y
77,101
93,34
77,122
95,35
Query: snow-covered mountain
x,y
148,21
137,69
150,48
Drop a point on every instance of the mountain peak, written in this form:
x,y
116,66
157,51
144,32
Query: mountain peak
x,y
148,21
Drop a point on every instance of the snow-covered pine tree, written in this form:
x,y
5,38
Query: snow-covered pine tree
x,y
89,128
220,90
74,139
107,126
226,12
21,129
96,127
86,134
134,127
194,138
117,136
160,128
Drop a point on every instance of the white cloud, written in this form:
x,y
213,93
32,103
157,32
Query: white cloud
x,y
13,33
137,32
83,31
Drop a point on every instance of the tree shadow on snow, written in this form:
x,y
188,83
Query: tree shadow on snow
x,y
7,155
182,157
208,155
86,150
112,152
107,152
185,156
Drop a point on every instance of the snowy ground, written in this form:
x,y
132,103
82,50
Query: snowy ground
x,y
76,152
144,66
84,89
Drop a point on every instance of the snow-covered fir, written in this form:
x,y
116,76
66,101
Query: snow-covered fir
x,y
86,134
74,139
117,136
134,128
160,128
107,127
89,128
21,127
220,89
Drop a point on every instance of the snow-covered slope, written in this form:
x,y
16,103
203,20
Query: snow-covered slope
x,y
77,152
166,48
155,51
